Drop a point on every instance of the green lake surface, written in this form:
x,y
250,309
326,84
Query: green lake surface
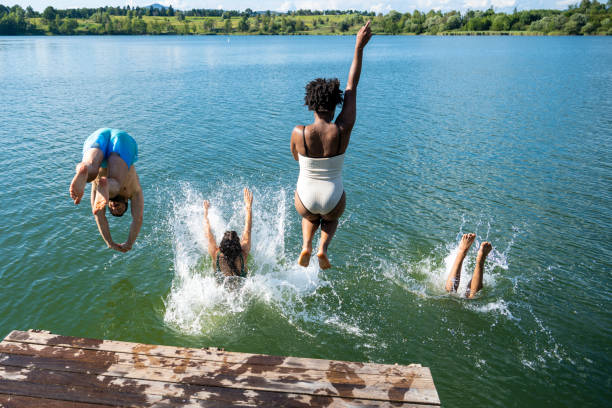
x,y
510,138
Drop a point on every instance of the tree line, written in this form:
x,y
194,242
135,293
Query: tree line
x,y
586,18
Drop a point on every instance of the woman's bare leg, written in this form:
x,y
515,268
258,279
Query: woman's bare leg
x,y
452,282
329,224
86,172
310,224
476,282
308,230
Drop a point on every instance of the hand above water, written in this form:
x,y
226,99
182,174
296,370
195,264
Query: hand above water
x,y
248,198
363,35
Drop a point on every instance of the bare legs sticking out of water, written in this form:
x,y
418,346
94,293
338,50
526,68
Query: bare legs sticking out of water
x,y
475,284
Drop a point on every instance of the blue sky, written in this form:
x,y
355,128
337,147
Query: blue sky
x,y
283,5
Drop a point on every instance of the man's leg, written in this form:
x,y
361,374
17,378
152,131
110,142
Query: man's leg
x,y
476,282
329,224
86,172
111,185
452,282
310,224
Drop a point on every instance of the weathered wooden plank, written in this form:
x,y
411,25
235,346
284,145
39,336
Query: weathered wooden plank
x,y
209,354
122,391
181,364
20,401
336,383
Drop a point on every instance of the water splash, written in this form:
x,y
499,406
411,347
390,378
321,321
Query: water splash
x,y
198,301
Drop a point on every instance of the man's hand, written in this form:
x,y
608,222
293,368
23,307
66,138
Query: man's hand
x,y
126,246
248,198
363,35
116,247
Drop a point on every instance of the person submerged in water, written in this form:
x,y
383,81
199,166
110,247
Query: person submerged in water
x,y
108,163
229,258
319,148
475,284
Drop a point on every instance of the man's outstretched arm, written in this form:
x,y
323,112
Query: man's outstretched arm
x,y
102,222
137,215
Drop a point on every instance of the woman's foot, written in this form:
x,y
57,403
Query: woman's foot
x,y
77,186
466,242
323,261
101,196
484,250
304,259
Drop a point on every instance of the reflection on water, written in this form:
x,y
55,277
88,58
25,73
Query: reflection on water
x,y
505,137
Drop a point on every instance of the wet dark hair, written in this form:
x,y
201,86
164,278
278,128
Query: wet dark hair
x,y
323,95
230,248
119,199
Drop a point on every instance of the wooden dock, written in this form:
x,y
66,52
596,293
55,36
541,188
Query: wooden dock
x,y
40,369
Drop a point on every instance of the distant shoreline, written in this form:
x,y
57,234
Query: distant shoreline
x,y
588,18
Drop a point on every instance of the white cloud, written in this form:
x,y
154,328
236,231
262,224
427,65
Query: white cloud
x,y
380,8
485,4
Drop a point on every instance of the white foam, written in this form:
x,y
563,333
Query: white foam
x,y
200,303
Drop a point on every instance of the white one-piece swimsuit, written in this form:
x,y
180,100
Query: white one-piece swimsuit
x,y
319,185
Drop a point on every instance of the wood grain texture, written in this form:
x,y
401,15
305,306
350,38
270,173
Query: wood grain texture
x,y
109,373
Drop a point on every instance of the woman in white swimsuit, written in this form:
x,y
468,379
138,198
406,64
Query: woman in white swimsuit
x,y
319,147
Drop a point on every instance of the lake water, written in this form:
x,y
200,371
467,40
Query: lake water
x,y
510,138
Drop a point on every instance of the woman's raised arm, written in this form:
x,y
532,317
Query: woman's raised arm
x,y
245,243
212,244
347,117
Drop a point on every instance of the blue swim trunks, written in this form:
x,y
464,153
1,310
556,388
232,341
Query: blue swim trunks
x,y
113,141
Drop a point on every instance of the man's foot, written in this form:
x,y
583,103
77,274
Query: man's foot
x,y
323,260
484,250
77,186
101,196
304,259
466,242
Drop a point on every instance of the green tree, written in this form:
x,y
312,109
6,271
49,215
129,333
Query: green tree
x,y
49,14
501,22
243,24
228,26
30,13
344,25
68,26
453,22
208,25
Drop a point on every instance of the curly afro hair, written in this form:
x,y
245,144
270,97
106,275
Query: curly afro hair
x,y
230,248
323,95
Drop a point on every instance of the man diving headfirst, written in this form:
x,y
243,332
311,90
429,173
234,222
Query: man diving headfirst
x,y
108,163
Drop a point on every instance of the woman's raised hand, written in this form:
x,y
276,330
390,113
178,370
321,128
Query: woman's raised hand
x,y
248,198
363,35
206,207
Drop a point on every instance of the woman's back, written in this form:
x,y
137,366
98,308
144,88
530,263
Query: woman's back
x,y
321,140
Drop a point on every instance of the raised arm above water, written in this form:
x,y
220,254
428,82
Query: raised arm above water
x,y
347,117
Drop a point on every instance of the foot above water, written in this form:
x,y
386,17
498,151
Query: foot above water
x,y
485,248
323,261
466,241
304,259
77,186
